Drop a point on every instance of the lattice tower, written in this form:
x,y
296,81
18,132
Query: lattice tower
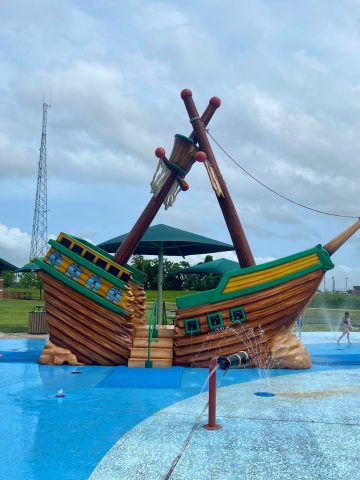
x,y
39,231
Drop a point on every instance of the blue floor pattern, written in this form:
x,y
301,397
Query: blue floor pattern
x,y
44,437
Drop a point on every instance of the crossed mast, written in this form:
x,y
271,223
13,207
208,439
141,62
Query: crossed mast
x,y
183,156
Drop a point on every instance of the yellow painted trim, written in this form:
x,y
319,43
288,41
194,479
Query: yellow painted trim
x,y
268,275
95,253
84,276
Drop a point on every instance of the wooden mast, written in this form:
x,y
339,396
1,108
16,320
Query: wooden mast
x,y
236,231
128,246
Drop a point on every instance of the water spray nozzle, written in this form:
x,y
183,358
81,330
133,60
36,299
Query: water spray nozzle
x,y
236,360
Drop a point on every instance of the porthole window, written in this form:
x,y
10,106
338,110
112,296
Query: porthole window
x,y
74,271
215,321
192,325
114,295
55,259
237,315
93,283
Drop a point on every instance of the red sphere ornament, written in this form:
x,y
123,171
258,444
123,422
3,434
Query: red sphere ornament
x,y
200,156
185,186
215,101
186,93
160,152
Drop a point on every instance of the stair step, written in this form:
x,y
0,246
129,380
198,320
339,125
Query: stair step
x,y
158,363
164,331
160,342
155,353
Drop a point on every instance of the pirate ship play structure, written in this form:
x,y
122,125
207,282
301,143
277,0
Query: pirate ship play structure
x,y
95,303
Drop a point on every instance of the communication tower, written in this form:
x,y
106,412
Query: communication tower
x,y
39,230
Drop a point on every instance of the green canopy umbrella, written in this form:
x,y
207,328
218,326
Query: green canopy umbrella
x,y
6,266
163,240
29,267
220,266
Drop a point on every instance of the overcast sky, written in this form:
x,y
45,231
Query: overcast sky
x,y
288,75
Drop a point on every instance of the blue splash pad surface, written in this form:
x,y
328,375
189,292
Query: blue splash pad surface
x,y
21,350
333,354
293,435
22,344
43,430
123,377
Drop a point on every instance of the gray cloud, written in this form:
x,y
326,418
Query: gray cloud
x,y
14,245
288,77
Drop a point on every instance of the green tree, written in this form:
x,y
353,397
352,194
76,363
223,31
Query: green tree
x,y
149,267
173,280
9,279
29,280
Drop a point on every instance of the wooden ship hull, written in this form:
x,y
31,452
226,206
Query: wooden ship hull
x,y
254,309
95,303
254,302
96,323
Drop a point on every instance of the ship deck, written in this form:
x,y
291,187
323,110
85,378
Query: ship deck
x,y
307,430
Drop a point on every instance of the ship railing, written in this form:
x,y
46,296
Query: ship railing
x,y
168,315
153,333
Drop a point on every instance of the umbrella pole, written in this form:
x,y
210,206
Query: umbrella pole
x,y
160,284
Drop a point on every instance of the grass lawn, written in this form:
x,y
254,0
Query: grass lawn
x,y
14,314
168,295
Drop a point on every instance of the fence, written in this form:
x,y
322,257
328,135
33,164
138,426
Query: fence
x,y
313,317
18,295
329,317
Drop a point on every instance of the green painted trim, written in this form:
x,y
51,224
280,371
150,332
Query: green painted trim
x,y
91,246
137,276
189,331
185,138
79,288
325,258
324,264
256,288
235,321
215,327
153,333
216,295
90,266
176,168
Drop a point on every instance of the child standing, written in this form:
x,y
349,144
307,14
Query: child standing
x,y
346,324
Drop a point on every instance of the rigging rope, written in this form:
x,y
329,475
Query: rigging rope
x,y
274,191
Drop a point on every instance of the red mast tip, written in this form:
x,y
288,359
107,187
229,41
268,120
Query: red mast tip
x,y
200,156
186,93
215,101
160,152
